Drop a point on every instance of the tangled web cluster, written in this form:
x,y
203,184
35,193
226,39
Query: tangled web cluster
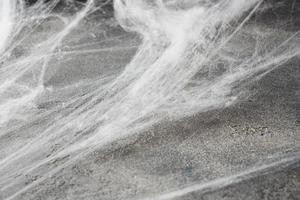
x,y
194,56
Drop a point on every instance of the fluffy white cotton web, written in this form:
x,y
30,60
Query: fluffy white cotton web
x,y
194,56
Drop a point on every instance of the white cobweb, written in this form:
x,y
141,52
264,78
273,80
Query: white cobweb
x,y
194,56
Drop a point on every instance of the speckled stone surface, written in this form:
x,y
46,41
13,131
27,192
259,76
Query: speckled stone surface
x,y
250,150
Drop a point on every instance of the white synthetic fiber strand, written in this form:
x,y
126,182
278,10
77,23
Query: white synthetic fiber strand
x,y
175,73
7,18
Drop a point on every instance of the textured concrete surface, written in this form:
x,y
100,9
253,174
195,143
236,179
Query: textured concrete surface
x,y
250,150
197,150
259,130
278,184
